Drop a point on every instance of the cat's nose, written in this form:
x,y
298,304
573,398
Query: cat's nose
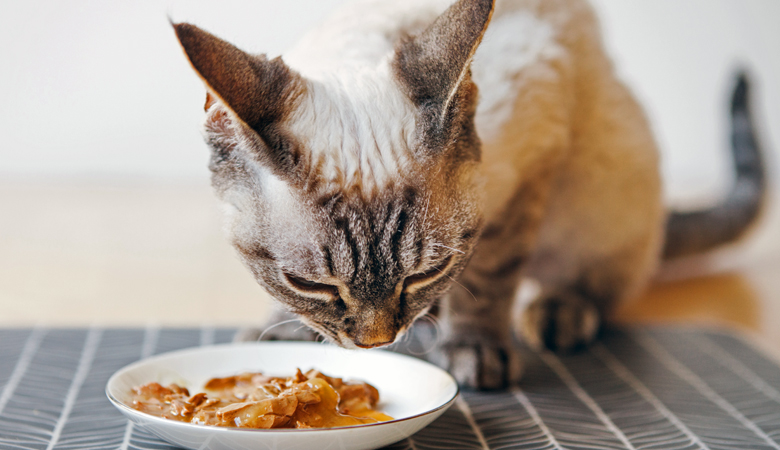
x,y
372,344
373,327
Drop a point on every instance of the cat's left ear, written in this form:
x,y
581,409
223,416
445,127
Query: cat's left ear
x,y
261,92
433,65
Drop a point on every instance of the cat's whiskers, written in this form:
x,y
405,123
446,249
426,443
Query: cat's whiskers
x,y
398,342
459,284
323,337
435,322
405,336
437,338
448,248
321,330
425,212
260,338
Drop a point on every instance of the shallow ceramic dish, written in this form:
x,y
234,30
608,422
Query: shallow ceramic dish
x,y
412,391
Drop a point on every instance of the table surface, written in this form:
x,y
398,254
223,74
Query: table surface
x,y
638,388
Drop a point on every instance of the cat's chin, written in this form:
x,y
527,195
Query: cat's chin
x,y
346,343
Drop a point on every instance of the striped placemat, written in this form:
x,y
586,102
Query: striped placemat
x,y
636,389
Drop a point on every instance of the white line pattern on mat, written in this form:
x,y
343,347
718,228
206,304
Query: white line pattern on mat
x,y
85,363
622,371
523,400
464,408
699,395
30,348
671,363
736,366
206,335
128,434
563,373
151,335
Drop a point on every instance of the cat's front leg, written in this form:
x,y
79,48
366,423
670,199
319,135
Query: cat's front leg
x,y
478,344
281,326
477,347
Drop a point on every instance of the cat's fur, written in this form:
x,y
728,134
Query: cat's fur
x,y
376,168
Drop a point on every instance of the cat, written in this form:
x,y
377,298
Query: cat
x,y
408,152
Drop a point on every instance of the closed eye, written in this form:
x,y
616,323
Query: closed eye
x,y
311,287
422,279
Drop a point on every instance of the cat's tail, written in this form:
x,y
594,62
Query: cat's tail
x,y
698,231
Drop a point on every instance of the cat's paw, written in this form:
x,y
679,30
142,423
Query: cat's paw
x,y
479,362
276,331
560,322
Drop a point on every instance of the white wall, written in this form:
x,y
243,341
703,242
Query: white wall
x,y
680,57
101,88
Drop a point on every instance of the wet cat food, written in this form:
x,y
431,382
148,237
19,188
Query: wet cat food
x,y
254,400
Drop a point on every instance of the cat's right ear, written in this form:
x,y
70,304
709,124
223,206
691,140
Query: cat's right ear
x,y
260,92
434,65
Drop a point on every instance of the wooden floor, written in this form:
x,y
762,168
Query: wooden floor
x,y
133,253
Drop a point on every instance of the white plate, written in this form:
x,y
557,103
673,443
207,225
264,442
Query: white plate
x,y
412,391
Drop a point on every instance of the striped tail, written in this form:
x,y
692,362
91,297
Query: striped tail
x,y
694,232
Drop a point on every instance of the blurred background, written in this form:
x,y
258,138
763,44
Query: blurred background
x,y
106,213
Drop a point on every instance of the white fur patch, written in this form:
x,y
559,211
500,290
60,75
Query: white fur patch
x,y
361,33
357,125
513,42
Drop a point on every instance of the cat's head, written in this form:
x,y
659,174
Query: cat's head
x,y
352,195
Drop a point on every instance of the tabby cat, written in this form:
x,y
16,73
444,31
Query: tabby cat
x,y
409,152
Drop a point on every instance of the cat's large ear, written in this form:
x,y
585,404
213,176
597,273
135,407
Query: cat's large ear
x,y
259,91
433,65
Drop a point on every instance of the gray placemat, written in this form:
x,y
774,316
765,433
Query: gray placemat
x,y
635,389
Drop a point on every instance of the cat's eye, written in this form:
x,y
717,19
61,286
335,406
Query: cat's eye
x,y
422,279
311,287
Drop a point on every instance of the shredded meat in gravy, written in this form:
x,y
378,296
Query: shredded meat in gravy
x,y
253,400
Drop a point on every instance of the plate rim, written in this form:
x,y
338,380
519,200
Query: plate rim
x,y
128,411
